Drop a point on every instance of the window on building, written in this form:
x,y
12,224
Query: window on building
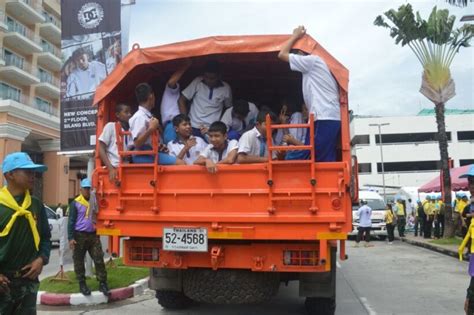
x,y
45,76
365,168
12,59
14,26
8,92
410,137
414,166
360,139
466,162
465,135
43,105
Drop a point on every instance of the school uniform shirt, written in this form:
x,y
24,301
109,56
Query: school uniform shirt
x,y
253,143
364,213
109,138
82,83
207,103
297,133
176,146
320,88
169,104
237,124
211,153
139,123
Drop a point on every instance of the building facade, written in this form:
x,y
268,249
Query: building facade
x,y
30,66
410,147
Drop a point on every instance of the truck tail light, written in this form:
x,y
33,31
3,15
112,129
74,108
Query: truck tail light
x,y
300,258
140,253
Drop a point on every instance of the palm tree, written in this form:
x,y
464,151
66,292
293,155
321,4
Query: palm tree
x,y
459,3
435,43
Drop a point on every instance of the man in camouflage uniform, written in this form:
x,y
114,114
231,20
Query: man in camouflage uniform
x,y
25,236
83,238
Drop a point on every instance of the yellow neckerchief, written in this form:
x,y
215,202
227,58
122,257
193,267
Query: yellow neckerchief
x,y
83,201
7,200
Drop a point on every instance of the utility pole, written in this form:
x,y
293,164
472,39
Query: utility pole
x,y
381,154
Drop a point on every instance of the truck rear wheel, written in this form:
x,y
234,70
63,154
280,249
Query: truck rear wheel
x,y
230,286
173,300
320,306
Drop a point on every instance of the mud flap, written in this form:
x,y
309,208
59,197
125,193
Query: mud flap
x,y
319,284
166,279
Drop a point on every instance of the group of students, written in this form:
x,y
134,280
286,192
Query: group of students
x,y
220,130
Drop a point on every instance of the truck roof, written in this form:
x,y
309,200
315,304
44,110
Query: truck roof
x,y
131,70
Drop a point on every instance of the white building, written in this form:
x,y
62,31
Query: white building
x,y
410,149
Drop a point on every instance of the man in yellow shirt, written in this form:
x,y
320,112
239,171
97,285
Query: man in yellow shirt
x,y
401,217
458,207
428,208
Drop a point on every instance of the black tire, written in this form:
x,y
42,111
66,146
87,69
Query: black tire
x,y
320,306
173,300
230,286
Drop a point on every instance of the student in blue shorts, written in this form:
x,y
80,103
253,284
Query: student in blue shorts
x,y
143,125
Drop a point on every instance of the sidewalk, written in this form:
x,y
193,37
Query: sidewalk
x,y
450,250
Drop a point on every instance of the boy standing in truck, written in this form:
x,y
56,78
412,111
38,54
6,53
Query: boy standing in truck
x,y
220,150
321,96
185,147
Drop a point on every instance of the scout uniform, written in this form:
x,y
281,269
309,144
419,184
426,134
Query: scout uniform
x,y
401,215
429,210
24,236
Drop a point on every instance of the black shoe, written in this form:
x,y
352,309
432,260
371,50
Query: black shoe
x,y
84,289
104,288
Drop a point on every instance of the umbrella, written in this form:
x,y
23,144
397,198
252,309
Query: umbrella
x,y
456,182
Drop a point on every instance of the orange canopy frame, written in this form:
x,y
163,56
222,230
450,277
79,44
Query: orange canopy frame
x,y
142,65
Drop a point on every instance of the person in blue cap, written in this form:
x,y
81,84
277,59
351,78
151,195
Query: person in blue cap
x,y
83,238
25,237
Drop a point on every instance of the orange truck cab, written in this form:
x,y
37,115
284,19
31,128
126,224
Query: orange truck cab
x,y
232,236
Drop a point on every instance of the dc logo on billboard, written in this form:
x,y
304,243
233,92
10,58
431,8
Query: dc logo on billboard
x,y
90,15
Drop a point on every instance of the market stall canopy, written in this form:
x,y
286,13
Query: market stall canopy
x,y
142,65
456,182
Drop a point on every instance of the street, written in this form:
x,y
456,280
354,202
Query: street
x,y
385,279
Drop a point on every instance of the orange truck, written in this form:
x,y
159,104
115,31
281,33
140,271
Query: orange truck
x,y
233,236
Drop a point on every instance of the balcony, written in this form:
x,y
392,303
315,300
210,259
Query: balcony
x,y
22,38
50,58
2,59
48,86
3,25
26,11
53,6
18,71
51,29
27,110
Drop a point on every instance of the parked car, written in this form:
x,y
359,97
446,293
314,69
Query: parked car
x,y
377,204
53,220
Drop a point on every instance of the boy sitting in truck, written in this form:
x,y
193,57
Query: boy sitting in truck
x,y
239,118
253,143
221,150
186,147
108,150
143,125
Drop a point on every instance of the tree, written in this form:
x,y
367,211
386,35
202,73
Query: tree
x,y
459,3
435,43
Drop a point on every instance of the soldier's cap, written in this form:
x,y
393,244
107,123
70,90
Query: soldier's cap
x,y
21,160
469,173
86,183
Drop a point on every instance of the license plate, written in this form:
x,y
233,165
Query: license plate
x,y
185,239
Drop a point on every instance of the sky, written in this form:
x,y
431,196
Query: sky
x,y
384,78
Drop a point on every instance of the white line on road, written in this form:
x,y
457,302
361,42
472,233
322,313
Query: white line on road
x,y
338,265
367,306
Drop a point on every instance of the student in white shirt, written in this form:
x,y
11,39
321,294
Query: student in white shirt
x,y
108,150
365,223
208,95
240,118
143,125
253,143
169,102
221,150
186,146
85,77
321,95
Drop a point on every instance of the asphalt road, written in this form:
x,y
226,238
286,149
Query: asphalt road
x,y
385,279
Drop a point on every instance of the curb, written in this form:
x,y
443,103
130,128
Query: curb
x,y
55,299
435,248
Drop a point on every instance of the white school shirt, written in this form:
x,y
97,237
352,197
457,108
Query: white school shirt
x,y
206,103
236,124
298,133
139,123
80,82
108,137
320,88
252,143
212,154
169,104
365,213
175,147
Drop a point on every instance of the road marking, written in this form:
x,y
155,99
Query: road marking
x,y
338,265
367,306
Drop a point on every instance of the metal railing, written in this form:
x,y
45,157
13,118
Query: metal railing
x,y
19,62
46,77
48,47
14,26
7,93
45,107
51,19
